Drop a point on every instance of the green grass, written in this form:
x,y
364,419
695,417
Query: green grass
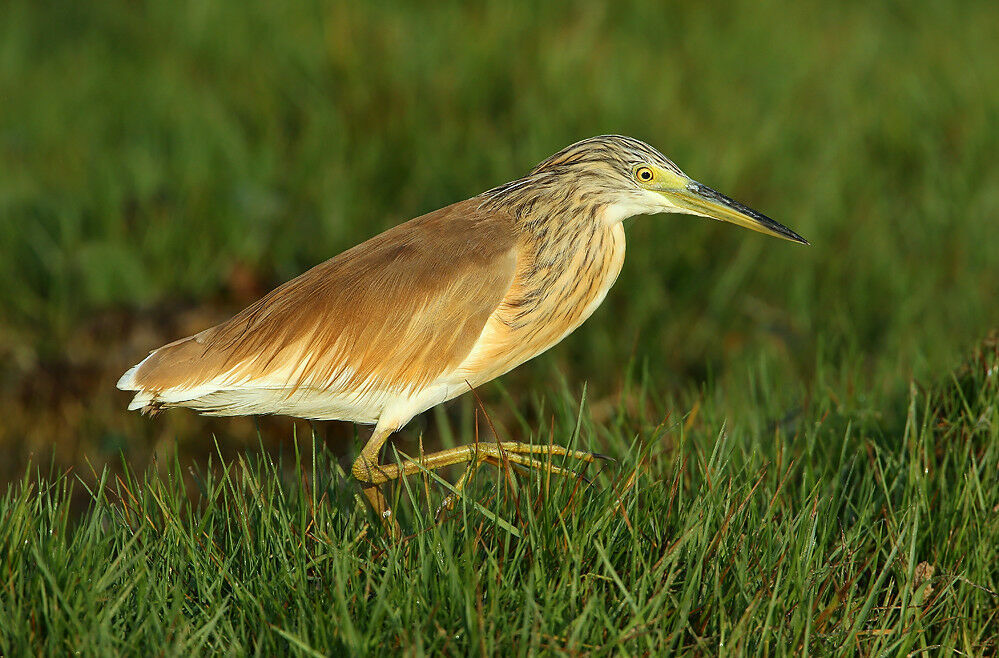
x,y
708,536
793,433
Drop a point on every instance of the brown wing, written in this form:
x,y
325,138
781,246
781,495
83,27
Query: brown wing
x,y
395,311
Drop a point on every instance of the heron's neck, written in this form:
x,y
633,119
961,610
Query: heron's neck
x,y
564,271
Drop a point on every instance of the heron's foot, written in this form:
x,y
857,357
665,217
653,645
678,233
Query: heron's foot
x,y
451,499
382,510
526,456
521,455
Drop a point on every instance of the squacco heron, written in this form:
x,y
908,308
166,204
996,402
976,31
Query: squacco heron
x,y
433,307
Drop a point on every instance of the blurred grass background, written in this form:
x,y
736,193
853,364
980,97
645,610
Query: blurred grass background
x,y
824,478
162,164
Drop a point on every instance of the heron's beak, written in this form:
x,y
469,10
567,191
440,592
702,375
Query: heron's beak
x,y
701,200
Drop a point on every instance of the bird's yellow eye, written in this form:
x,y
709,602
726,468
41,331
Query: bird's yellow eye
x,y
644,174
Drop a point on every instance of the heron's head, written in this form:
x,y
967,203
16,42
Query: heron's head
x,y
627,177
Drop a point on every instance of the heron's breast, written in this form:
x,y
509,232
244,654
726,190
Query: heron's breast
x,y
556,289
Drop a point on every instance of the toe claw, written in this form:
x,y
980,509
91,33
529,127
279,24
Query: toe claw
x,y
446,506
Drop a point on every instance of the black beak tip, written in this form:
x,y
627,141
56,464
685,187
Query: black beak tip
x,y
780,229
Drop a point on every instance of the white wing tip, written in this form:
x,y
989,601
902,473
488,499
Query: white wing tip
x,y
141,401
127,381
142,398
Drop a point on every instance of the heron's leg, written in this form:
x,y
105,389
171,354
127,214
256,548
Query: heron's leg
x,y
365,469
490,457
522,454
372,475
449,500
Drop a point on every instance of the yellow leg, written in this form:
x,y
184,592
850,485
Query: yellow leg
x,y
372,475
516,453
449,500
365,469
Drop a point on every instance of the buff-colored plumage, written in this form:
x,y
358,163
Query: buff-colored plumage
x,y
452,299
393,313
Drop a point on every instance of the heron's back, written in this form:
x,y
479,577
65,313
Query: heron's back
x,y
391,314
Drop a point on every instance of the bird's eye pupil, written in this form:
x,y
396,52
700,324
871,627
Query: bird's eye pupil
x,y
645,174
